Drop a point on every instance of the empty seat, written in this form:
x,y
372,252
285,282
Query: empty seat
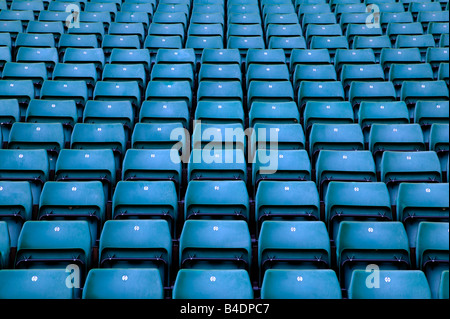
x,y
16,204
264,72
100,136
347,166
26,165
212,284
177,72
274,113
217,164
63,112
426,113
5,245
216,200
219,112
283,165
152,165
35,284
418,202
273,136
302,56
215,244
293,245
391,284
130,56
21,90
334,137
376,43
300,284
219,56
169,91
137,244
356,201
443,287
439,142
66,90
123,284
279,200
125,73
118,91
306,72
409,72
319,91
47,136
395,29
146,199
360,244
223,90
360,73
370,91
326,30
55,244
422,42
332,43
159,136
413,91
359,57
388,57
86,55
326,113
36,72
443,73
164,112
87,165
415,167
395,137
74,201
432,252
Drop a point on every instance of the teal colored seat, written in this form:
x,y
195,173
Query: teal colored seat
x,y
390,284
176,56
279,200
127,28
389,57
277,137
395,29
356,201
220,112
49,56
395,137
332,91
133,17
87,165
274,113
110,112
55,245
5,245
63,112
360,73
316,18
293,245
439,142
266,72
26,165
399,73
100,136
224,164
118,91
37,72
413,167
212,284
332,43
325,30
360,57
159,136
269,91
360,244
16,205
282,165
205,30
381,113
123,284
303,56
202,42
287,31
221,56
131,56
371,92
376,43
164,112
152,165
422,41
306,72
432,253
215,137
146,200
300,284
427,113
217,200
215,244
35,284
137,244
77,41
178,72
21,90
70,72
419,202
219,72
287,44
244,43
326,113
346,166
443,288
74,201
223,91
154,42
169,91
125,73
111,42
85,55
66,90
334,137
47,136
